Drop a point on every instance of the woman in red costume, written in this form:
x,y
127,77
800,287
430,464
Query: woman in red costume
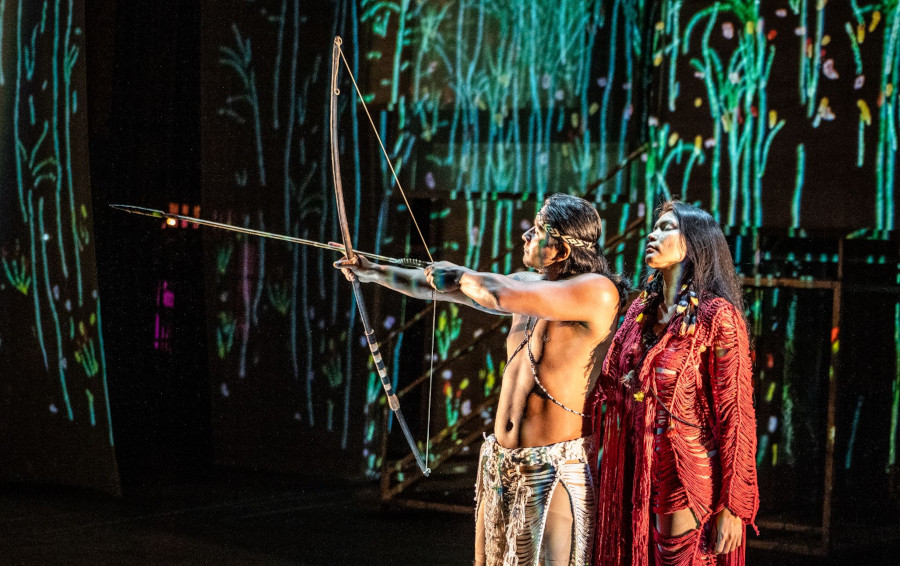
x,y
678,469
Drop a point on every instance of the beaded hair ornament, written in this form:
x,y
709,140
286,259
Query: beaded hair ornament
x,y
686,304
571,240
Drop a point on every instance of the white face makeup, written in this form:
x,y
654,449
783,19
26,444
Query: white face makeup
x,y
665,244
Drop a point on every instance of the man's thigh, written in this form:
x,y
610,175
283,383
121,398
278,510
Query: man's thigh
x,y
559,533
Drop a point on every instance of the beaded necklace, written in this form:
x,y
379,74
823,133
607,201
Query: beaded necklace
x,y
687,307
530,324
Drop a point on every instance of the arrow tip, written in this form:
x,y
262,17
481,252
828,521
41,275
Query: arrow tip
x,y
131,209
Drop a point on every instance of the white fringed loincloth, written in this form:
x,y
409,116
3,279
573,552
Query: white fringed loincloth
x,y
515,487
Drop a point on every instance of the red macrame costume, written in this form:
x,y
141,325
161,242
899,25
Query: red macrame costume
x,y
711,467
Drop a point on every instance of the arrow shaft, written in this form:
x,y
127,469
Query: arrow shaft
x,y
333,246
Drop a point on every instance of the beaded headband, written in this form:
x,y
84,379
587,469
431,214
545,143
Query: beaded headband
x,y
571,240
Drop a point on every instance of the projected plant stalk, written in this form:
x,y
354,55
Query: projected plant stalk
x,y
738,106
886,159
53,230
810,68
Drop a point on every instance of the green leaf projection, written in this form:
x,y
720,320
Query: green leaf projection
x,y
779,115
51,342
751,82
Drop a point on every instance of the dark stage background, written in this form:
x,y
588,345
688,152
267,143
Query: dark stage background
x,y
779,117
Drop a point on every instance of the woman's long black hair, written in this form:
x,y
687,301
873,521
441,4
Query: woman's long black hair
x,y
578,218
708,264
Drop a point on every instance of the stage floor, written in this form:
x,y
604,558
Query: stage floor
x,y
248,518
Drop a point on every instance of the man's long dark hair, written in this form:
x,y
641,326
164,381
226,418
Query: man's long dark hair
x,y
708,263
576,217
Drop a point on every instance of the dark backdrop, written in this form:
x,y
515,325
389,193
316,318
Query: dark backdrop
x,y
143,69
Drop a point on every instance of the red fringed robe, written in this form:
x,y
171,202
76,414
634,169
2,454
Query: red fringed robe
x,y
715,392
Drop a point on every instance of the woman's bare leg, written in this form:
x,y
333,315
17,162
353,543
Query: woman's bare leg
x,y
673,528
676,524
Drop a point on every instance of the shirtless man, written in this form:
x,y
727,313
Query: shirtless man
x,y
562,317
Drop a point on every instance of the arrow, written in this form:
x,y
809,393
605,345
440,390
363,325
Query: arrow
x,y
333,246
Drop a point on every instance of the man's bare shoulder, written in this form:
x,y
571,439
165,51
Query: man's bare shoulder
x,y
589,294
595,282
602,287
525,276
601,282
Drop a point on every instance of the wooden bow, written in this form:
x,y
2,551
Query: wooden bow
x,y
393,401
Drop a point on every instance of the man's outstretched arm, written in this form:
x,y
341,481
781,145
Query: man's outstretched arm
x,y
410,282
589,298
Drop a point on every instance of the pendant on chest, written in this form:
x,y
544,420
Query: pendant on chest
x,y
629,380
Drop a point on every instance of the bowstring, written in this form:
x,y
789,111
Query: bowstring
x,y
421,237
